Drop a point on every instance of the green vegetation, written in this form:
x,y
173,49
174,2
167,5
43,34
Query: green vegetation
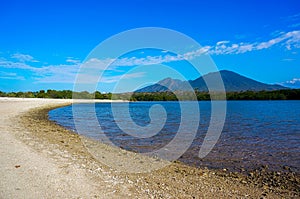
x,y
64,94
287,94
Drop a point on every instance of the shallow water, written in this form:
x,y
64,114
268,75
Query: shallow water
x,y
255,132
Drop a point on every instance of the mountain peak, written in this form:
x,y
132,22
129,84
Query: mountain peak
x,y
169,81
232,82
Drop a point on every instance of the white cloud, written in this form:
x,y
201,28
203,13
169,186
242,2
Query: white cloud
x,y
100,64
268,44
72,60
66,73
293,40
196,53
290,40
293,83
112,64
23,57
222,42
244,48
49,73
16,65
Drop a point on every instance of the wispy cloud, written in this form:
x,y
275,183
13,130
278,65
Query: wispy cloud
x,y
23,57
73,60
288,59
222,42
16,65
13,76
63,73
117,78
95,63
44,73
294,17
292,20
294,25
66,73
289,40
113,64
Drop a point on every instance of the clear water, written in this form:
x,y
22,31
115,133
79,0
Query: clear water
x,y
255,132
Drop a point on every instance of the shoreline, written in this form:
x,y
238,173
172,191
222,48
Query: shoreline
x,y
175,180
262,176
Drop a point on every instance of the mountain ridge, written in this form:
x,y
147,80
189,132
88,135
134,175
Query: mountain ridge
x,y
233,82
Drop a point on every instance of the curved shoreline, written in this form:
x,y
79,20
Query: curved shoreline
x,y
279,181
67,152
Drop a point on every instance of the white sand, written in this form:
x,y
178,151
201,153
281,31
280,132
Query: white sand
x,y
39,176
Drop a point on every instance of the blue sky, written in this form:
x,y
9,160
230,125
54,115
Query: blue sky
x,y
44,43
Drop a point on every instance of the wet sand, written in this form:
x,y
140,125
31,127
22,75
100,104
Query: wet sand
x,y
40,159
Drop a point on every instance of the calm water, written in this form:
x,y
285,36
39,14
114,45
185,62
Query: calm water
x,y
255,132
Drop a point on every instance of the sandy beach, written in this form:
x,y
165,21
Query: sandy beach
x,y
40,159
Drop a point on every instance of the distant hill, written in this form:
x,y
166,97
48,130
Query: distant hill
x,y
232,82
163,85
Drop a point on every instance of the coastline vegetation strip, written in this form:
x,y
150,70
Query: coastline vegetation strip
x,y
286,94
176,180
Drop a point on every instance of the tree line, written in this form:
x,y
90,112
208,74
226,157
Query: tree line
x,y
287,94
63,94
